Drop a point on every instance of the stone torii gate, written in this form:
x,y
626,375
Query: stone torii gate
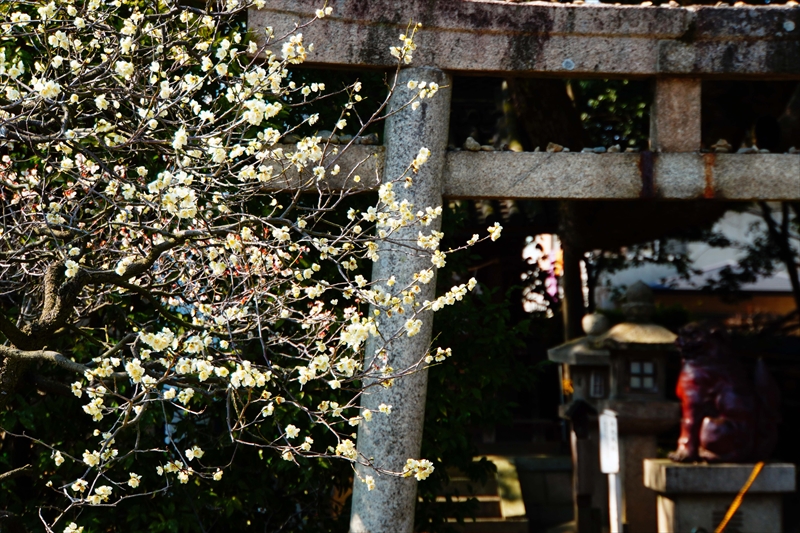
x,y
677,47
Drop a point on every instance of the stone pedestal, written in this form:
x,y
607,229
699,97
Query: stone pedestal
x,y
622,370
698,495
590,490
639,423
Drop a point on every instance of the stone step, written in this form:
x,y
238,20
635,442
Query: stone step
x,y
566,527
487,506
461,486
491,526
499,500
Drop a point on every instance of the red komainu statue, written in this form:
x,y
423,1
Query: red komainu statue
x,y
726,416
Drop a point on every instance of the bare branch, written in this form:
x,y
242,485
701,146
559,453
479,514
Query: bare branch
x,y
14,473
43,355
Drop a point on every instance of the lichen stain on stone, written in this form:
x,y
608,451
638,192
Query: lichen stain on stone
x,y
359,9
690,35
525,49
482,16
373,46
421,123
728,60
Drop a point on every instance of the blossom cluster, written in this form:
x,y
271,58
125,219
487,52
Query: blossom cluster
x,y
148,161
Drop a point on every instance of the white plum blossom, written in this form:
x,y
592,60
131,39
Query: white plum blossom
x,y
79,485
193,453
91,458
347,449
101,102
420,469
413,327
291,431
155,187
185,396
494,231
180,140
135,370
159,341
124,69
134,480
71,268
47,88
124,263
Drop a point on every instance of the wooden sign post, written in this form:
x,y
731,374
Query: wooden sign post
x,y
609,464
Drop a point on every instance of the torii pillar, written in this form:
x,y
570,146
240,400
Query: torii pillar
x,y
393,439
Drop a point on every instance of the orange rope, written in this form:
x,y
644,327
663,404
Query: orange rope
x,y
738,500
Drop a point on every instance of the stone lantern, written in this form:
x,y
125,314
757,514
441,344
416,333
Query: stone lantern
x,y
638,352
621,369
584,373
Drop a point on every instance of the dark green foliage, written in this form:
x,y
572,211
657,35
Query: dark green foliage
x,y
468,391
614,111
774,245
329,107
473,388
260,492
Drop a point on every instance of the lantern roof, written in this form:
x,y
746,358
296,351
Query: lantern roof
x,y
637,329
628,333
637,332
581,351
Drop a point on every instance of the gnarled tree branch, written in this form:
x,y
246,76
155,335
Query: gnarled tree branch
x,y
42,355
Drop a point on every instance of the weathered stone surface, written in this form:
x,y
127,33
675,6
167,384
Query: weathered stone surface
x,y
679,176
639,505
579,352
662,475
541,175
759,513
622,175
675,115
643,417
698,495
536,37
757,176
578,175
390,441
629,333
595,324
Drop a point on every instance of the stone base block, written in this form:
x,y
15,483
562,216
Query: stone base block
x,y
694,496
759,513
